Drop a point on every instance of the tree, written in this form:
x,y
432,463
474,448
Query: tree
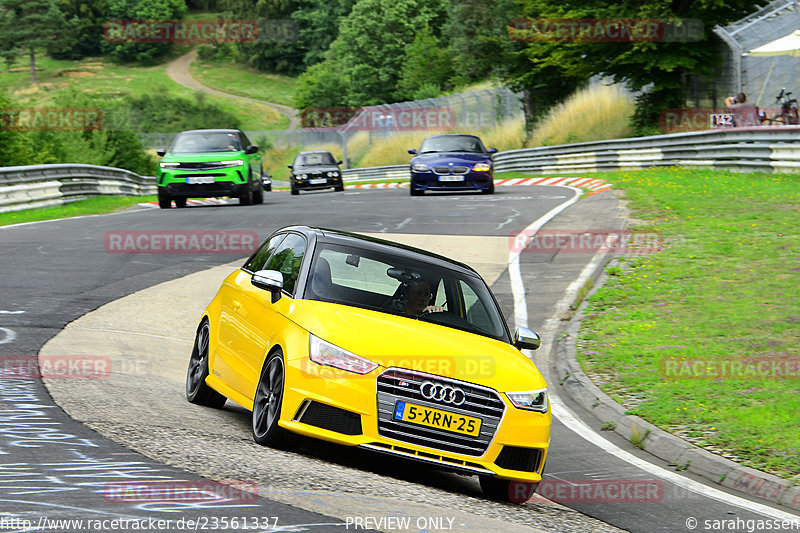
x,y
660,69
28,25
318,25
141,10
83,31
425,63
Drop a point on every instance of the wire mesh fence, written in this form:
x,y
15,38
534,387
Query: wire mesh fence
x,y
470,111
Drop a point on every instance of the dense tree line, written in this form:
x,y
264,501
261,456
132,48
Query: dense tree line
x,y
361,52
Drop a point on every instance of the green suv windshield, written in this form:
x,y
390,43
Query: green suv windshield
x,y
196,142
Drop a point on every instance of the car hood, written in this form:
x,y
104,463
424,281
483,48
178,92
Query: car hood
x,y
391,340
316,168
203,157
457,158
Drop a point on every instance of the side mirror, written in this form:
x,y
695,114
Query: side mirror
x,y
269,280
339,162
525,339
161,153
290,166
412,151
251,149
492,150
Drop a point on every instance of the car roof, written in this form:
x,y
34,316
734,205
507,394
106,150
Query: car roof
x,y
453,135
221,130
313,152
333,236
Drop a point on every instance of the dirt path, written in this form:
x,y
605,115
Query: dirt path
x,y
178,70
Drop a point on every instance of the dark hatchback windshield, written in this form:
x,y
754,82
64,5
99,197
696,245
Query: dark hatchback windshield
x,y
202,142
314,159
389,283
452,143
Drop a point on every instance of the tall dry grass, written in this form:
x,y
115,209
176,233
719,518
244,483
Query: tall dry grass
x,y
595,113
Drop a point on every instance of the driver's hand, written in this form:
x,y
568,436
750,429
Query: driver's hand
x,y
433,309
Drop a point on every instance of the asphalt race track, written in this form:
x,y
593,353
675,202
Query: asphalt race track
x,y
134,425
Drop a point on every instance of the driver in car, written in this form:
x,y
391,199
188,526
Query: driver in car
x,y
418,297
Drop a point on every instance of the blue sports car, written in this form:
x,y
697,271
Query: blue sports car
x,y
453,162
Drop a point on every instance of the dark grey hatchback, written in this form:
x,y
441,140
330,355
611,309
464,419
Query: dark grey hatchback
x,y
315,169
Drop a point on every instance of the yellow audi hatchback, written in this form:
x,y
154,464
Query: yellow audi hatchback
x,y
364,342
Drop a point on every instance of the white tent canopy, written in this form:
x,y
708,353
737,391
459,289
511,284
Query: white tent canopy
x,y
785,46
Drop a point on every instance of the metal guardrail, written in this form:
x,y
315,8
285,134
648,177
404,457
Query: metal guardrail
x,y
391,172
31,186
766,149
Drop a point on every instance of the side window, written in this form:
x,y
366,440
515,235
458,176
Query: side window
x,y
441,295
244,140
287,259
259,259
476,312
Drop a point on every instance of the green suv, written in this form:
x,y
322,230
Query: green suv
x,y
210,163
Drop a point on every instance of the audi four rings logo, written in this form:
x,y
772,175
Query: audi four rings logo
x,y
442,393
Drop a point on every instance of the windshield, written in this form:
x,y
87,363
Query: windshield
x,y
452,143
383,281
201,142
314,159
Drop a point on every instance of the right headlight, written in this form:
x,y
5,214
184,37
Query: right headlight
x,y
533,400
420,167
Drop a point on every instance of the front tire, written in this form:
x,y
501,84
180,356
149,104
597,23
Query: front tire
x,y
413,191
267,405
258,196
507,490
197,391
164,201
180,202
295,192
489,189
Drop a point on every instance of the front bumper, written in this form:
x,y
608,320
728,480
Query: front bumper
x,y
313,182
355,410
428,181
226,182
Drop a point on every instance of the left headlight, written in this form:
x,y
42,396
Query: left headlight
x,y
420,167
325,353
533,400
482,167
169,165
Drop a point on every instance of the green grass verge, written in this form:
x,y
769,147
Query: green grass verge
x,y
104,78
90,206
726,288
243,81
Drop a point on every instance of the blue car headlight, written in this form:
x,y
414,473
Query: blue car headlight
x,y
420,167
482,167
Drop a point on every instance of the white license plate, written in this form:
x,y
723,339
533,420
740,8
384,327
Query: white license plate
x,y
318,181
199,180
451,178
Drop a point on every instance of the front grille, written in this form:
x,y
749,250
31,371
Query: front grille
x,y
211,165
522,459
331,418
450,170
397,384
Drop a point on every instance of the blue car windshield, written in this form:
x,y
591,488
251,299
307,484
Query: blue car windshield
x,y
203,142
452,143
